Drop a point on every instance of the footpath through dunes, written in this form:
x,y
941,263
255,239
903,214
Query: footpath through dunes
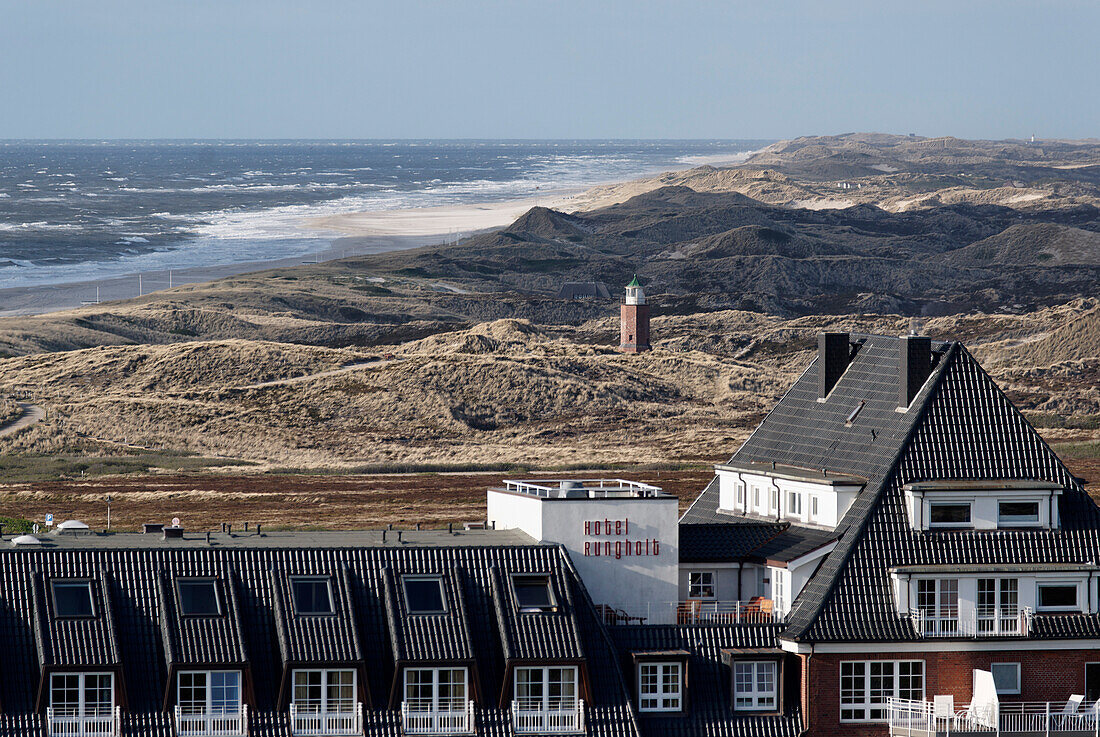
x,y
503,392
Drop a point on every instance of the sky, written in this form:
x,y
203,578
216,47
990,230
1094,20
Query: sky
x,y
729,69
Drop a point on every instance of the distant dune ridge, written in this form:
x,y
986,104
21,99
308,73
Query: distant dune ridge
x,y
463,354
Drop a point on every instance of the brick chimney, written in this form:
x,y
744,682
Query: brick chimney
x,y
914,366
834,352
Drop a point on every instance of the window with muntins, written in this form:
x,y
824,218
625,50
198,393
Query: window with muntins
x,y
72,599
424,595
82,694
324,691
701,584
794,504
754,685
430,690
210,692
198,597
660,686
866,685
312,596
779,590
552,687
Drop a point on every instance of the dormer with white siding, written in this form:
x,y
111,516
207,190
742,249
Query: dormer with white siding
x,y
780,493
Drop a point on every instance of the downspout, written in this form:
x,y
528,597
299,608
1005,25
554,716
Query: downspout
x,y
745,489
778,501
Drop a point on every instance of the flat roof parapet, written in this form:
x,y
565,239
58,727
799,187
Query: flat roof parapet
x,y
794,473
585,489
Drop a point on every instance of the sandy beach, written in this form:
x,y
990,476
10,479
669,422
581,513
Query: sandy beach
x,y
352,234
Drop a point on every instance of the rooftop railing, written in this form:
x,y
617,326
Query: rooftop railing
x,y
444,716
59,723
307,720
594,488
558,716
927,719
212,725
981,622
707,611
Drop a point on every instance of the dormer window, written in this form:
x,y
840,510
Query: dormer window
x,y
533,594
949,514
72,599
198,597
312,596
1017,514
1058,597
424,595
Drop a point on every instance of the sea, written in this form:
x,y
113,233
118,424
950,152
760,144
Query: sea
x,y
86,210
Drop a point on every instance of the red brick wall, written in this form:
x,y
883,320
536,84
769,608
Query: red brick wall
x,y
634,328
1045,675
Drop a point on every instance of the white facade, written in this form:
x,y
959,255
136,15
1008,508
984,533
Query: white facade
x,y
782,497
622,537
982,505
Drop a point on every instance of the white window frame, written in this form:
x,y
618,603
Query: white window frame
x,y
438,580
691,585
1017,521
546,701
1040,585
860,700
82,707
757,504
208,708
327,581
779,591
969,524
326,705
1016,669
815,502
742,497
758,699
794,504
437,704
199,580
83,583
667,680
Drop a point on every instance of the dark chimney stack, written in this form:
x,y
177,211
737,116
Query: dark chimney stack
x,y
914,366
833,353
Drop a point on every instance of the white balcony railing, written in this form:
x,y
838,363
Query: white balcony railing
x,y
61,724
560,716
1042,717
212,725
754,611
307,720
982,622
447,716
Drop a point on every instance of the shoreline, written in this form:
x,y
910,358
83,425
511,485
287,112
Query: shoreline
x,y
340,236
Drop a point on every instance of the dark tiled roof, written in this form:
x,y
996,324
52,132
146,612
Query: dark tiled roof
x,y
217,640
710,543
792,543
143,643
418,637
960,426
708,710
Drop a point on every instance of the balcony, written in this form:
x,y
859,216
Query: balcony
x,y
704,611
447,716
61,724
982,622
560,716
922,719
212,725
309,720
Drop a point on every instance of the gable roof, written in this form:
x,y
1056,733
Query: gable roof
x,y
959,426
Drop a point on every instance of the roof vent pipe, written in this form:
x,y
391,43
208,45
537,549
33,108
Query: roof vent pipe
x,y
914,367
834,351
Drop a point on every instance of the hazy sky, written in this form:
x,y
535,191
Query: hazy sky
x,y
547,68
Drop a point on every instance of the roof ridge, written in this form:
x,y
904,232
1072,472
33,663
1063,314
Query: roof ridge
x,y
847,539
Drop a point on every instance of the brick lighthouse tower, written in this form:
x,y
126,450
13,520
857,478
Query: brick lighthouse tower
x,y
634,319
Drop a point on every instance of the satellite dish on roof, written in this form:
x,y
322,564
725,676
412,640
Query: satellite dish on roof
x,y
175,522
